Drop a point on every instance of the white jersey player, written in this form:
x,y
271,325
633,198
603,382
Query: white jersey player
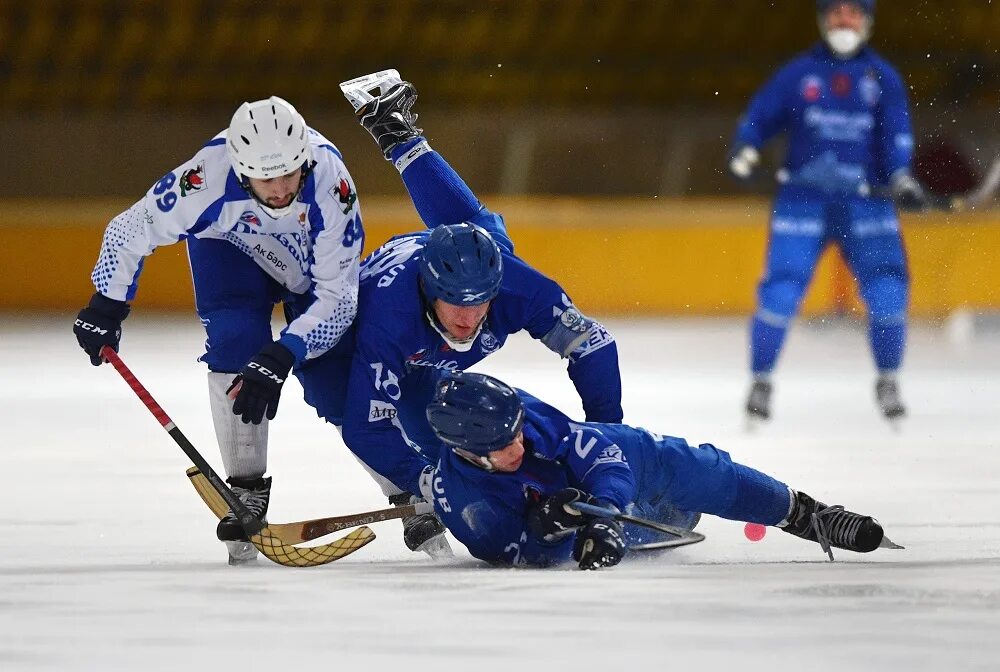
x,y
269,214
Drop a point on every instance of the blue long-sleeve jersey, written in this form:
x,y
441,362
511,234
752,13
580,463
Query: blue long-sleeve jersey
x,y
853,113
398,354
622,465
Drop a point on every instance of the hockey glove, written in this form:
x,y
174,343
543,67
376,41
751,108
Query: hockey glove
x,y
743,162
907,192
258,386
389,118
551,520
599,544
100,324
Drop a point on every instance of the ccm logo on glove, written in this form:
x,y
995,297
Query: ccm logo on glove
x,y
267,373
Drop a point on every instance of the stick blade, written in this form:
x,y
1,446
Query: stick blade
x,y
686,540
293,556
273,547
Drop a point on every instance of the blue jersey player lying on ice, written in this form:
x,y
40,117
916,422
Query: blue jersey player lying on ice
x,y
443,299
515,463
845,113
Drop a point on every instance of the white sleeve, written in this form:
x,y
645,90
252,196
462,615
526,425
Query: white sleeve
x,y
336,259
174,205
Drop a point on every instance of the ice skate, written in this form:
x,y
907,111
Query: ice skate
x,y
424,531
255,493
887,397
835,527
387,115
759,402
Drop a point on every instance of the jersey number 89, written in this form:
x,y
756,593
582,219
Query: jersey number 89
x,y
166,202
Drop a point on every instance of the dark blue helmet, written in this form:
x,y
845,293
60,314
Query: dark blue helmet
x,y
475,413
461,265
867,6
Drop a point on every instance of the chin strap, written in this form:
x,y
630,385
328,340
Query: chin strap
x,y
463,345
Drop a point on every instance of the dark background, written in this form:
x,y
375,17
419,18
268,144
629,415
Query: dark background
x,y
580,97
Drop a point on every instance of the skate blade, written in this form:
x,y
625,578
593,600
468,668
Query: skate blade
x,y
889,543
241,553
754,423
895,423
437,547
357,90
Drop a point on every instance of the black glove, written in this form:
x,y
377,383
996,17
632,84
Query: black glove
x,y
258,385
552,521
599,544
743,162
907,193
100,324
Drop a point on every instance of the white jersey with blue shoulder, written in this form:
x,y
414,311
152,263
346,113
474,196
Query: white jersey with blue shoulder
x,y
315,247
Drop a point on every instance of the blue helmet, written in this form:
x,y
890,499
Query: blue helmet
x,y
867,6
475,413
461,265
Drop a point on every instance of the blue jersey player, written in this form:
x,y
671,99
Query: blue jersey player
x,y
441,300
844,111
515,463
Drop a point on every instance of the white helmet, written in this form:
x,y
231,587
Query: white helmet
x,y
267,138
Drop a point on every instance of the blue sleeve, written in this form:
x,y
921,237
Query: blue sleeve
x,y
372,429
769,111
442,197
895,136
599,466
491,522
503,536
593,368
593,355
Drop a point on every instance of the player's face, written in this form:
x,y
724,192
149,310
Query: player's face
x,y
508,459
461,322
845,16
277,192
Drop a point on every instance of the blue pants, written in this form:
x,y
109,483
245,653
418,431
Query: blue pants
x,y
867,233
676,477
235,298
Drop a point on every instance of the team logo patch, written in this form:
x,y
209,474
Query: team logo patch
x,y
869,89
249,217
488,342
812,88
841,85
343,193
573,320
193,179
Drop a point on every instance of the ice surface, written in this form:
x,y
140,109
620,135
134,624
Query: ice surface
x,y
111,562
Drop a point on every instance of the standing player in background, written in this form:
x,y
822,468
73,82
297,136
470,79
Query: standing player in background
x,y
270,214
516,465
845,112
441,300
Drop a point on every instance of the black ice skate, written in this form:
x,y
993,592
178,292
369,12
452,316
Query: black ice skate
x,y
255,493
835,527
385,114
759,400
887,397
424,531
